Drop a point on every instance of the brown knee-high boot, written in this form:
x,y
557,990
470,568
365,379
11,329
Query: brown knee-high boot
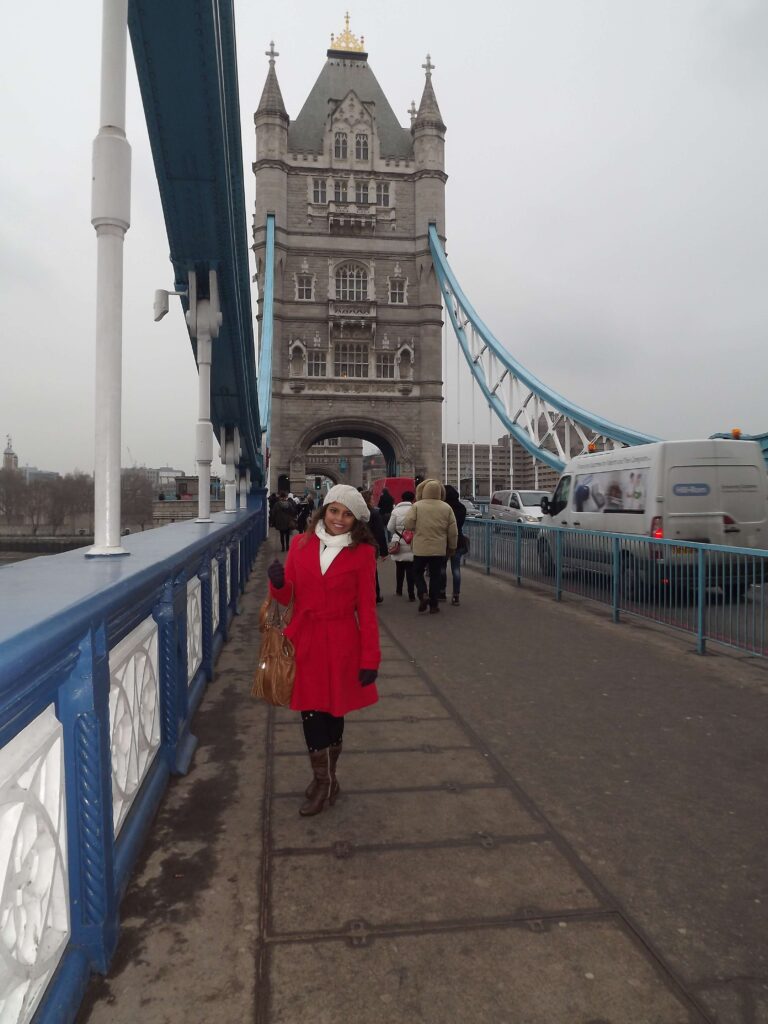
x,y
311,789
323,795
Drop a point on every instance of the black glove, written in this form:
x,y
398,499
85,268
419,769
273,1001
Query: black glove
x,y
276,574
367,676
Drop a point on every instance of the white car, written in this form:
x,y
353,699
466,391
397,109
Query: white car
x,y
473,512
517,506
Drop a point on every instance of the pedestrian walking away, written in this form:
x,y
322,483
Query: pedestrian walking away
x,y
303,512
284,518
329,575
460,512
376,525
386,504
403,557
435,537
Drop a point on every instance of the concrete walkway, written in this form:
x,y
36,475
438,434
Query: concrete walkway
x,y
547,819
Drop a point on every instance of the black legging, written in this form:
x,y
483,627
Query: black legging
x,y
321,730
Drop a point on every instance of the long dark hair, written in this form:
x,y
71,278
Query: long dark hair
x,y
360,532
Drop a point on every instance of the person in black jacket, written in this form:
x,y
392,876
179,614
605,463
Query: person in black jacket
x,y
460,511
386,504
376,526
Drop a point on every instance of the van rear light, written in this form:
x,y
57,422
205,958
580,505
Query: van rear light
x,y
657,527
495,500
728,521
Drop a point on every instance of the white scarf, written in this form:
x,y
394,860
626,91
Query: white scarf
x,y
331,544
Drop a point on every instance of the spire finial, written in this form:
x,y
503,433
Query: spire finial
x,y
346,40
271,52
412,111
429,67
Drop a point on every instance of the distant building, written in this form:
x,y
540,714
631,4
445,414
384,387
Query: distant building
x,y
467,467
31,473
10,458
374,466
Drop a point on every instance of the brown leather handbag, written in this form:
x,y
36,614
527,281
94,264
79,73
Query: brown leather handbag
x,y
276,667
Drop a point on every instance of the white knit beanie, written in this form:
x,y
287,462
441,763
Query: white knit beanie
x,y
352,498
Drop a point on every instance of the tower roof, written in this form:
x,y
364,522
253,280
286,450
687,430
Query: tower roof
x,y
271,101
343,72
429,115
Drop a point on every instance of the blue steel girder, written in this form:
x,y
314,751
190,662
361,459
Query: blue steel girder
x,y
267,330
545,423
187,69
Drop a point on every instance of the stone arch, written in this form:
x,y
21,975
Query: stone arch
x,y
388,440
322,469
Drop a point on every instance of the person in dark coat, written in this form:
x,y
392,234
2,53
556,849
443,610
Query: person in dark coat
x,y
329,575
376,526
304,511
284,519
460,511
386,504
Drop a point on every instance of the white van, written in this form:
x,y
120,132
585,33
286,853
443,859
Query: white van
x,y
517,506
712,491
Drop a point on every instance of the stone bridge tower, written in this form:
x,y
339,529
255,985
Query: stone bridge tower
x,y
357,306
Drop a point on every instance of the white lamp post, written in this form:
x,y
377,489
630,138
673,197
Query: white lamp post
x,y
110,216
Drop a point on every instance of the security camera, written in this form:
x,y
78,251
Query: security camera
x,y
161,303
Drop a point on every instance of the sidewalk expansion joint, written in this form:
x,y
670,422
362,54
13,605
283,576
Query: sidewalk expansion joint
x,y
482,839
359,932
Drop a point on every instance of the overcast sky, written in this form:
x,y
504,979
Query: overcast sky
x,y
606,205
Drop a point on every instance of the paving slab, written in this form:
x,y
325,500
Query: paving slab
x,y
414,887
585,973
404,769
404,817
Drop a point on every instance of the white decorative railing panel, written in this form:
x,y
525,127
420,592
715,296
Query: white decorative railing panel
x,y
214,595
34,905
194,627
134,715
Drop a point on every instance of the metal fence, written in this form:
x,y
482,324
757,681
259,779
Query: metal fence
x,y
102,665
717,594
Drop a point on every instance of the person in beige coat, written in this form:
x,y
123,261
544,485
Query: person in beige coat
x,y
435,536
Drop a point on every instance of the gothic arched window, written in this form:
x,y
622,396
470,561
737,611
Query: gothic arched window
x,y
351,283
361,147
340,145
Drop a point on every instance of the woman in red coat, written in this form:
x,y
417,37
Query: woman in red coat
x,y
330,573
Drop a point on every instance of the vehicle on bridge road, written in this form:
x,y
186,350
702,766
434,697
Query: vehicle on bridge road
x,y
517,506
711,492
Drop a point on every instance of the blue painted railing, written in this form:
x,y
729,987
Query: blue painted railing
x,y
103,663
716,593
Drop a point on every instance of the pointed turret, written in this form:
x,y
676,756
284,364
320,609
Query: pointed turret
x,y
428,131
271,120
271,102
429,115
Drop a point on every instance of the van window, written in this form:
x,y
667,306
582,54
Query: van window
x,y
500,497
514,502
560,497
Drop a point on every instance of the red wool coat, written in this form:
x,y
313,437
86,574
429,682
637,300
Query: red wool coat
x,y
333,628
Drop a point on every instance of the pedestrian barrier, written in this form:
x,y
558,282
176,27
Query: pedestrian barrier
x,y
102,665
716,593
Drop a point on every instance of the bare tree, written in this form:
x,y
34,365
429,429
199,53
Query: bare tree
x,y
57,510
136,497
37,493
12,494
